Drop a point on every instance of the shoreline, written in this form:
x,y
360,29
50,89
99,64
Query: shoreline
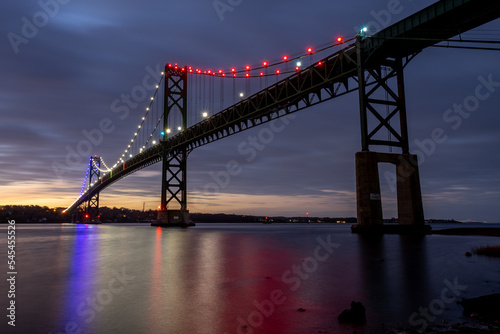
x,y
481,231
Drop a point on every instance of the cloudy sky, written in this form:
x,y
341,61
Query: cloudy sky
x,y
63,63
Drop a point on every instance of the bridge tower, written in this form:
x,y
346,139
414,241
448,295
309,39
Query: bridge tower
x,y
92,214
382,100
173,179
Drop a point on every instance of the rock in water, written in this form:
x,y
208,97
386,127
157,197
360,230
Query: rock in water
x,y
486,307
355,315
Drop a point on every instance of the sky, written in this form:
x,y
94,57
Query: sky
x,y
64,62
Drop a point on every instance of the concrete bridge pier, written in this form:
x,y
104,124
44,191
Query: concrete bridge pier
x,y
369,200
173,218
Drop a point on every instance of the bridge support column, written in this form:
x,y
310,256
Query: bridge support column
x,y
368,190
369,200
384,123
91,213
173,182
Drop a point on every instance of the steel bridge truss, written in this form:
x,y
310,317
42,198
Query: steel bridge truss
x,y
382,103
174,161
92,208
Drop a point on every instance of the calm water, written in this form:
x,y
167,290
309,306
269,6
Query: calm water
x,y
218,278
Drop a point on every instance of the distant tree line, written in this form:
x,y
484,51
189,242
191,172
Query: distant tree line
x,y
44,214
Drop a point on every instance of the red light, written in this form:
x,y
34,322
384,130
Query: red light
x,y
320,63
297,68
190,71
233,69
285,58
247,75
278,71
234,75
87,215
220,71
264,63
309,50
183,69
340,39
247,67
261,73
209,71
169,65
223,74
175,67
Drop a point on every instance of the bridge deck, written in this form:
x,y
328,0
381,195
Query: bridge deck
x,y
433,24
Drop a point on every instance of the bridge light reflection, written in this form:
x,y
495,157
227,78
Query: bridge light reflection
x,y
154,142
242,94
168,130
204,114
179,128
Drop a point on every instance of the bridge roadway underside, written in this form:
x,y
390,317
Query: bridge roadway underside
x,y
333,76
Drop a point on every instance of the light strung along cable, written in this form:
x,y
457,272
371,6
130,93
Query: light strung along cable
x,y
233,72
143,120
85,178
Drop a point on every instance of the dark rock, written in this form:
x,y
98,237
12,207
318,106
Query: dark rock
x,y
301,310
468,254
485,307
355,315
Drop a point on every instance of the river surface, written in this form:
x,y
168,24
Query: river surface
x,y
237,278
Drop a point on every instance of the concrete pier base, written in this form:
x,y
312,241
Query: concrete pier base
x,y
173,218
369,201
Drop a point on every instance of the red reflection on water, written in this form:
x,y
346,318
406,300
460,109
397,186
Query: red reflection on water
x,y
157,302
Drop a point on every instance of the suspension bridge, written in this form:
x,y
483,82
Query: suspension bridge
x,y
193,107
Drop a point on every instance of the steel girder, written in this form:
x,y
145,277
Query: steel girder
x,y
173,183
93,201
